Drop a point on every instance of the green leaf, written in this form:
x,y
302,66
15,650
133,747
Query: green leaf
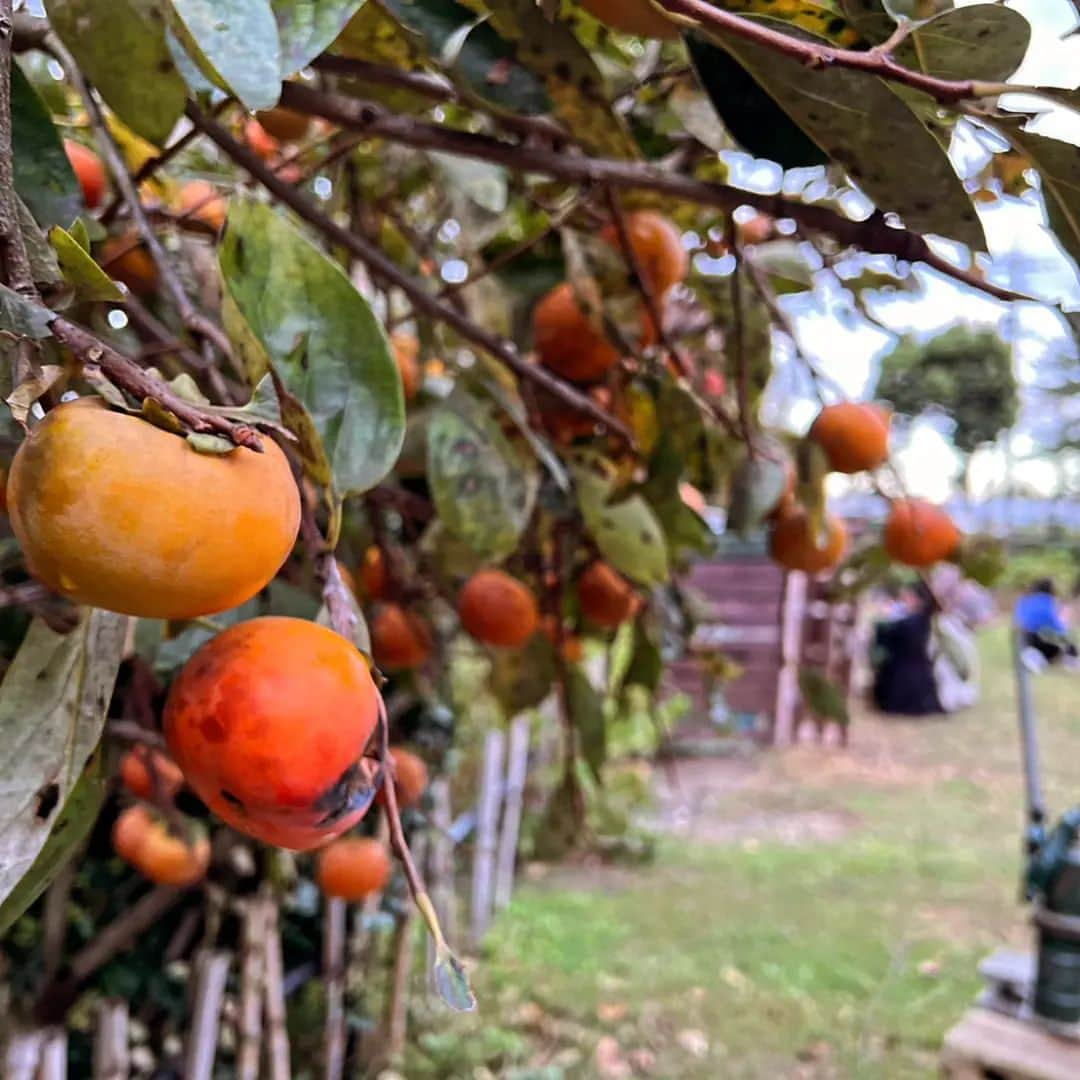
x,y
473,53
483,487
215,445
22,317
72,827
328,347
821,19
82,273
720,297
44,179
981,41
234,43
145,90
43,263
983,559
451,981
753,118
574,83
53,702
1058,165
522,678
646,664
757,486
870,17
627,532
866,128
788,271
823,697
483,183
586,709
307,28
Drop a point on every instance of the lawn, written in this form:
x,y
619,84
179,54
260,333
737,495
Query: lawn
x,y
817,913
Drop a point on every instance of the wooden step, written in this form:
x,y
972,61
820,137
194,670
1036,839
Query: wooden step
x,y
987,1043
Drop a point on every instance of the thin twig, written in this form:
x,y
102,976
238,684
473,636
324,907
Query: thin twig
x,y
14,263
820,57
379,263
126,374
874,234
742,367
193,319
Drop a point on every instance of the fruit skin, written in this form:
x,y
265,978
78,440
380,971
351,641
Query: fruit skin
x,y
137,777
88,171
269,721
920,534
658,248
133,266
410,776
373,576
116,513
498,609
201,201
567,341
260,140
353,868
284,124
146,843
854,435
606,597
406,353
757,230
793,545
631,17
400,640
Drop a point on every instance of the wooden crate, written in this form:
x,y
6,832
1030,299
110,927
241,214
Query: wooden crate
x,y
989,1044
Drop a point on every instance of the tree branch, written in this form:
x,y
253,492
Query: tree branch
x,y
873,234
127,375
817,57
14,264
382,265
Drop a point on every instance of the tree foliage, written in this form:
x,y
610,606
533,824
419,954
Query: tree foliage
x,y
964,372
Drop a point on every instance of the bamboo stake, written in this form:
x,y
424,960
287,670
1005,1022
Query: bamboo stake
x,y
277,1030
212,972
251,989
334,974
111,1045
54,1055
22,1055
487,824
516,771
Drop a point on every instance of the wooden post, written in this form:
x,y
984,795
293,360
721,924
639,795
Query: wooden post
x,y
54,1055
277,1030
111,1058
211,974
334,974
516,770
791,632
487,824
251,990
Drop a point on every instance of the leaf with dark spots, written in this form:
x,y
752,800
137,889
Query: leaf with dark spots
x,y
47,798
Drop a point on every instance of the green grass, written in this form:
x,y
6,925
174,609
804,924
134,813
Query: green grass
x,y
845,958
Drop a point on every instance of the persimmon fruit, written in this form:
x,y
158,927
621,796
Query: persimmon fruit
x,y
283,124
260,140
657,247
794,546
353,868
139,768
606,597
88,171
497,609
116,513
567,341
400,640
145,842
854,435
410,776
373,576
920,534
407,355
125,259
200,200
637,17
573,650
269,722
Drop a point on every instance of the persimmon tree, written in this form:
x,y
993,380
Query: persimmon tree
x,y
488,281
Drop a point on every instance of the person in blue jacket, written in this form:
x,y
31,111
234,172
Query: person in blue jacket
x,y
1044,635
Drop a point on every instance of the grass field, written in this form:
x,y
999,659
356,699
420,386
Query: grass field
x,y
821,914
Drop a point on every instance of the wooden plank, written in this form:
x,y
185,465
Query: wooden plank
x,y
786,705
516,770
212,972
111,1056
487,824
54,1055
252,969
993,1043
277,1030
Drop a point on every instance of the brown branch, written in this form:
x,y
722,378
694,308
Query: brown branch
x,y
380,264
819,57
127,375
873,234
192,318
742,369
14,263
